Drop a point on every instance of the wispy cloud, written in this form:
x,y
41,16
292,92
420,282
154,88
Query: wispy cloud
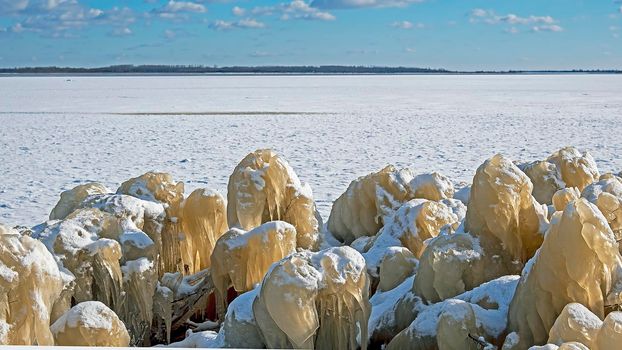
x,y
407,25
296,9
536,23
344,4
247,23
178,9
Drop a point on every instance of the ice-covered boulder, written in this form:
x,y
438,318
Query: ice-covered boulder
x,y
396,266
565,196
241,259
411,226
204,220
239,329
610,333
576,169
545,178
385,307
71,199
434,186
160,188
315,300
90,323
578,262
262,188
30,284
575,323
368,202
502,208
606,194
473,320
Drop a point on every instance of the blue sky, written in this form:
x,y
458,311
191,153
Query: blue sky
x,y
458,34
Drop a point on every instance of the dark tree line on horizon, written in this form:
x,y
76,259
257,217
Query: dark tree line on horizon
x,y
326,69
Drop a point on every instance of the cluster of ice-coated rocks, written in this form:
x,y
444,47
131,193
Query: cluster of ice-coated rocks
x,y
527,256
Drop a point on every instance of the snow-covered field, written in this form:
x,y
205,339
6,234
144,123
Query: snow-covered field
x,y
57,132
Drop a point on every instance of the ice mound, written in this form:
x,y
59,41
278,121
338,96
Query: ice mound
x,y
434,186
576,169
565,196
545,178
30,284
71,199
502,208
204,220
241,259
160,188
368,201
90,323
505,226
315,300
575,323
606,194
472,320
578,262
262,188
411,226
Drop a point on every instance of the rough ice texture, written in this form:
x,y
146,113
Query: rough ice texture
x,y
577,169
575,323
577,262
502,208
565,196
71,199
30,283
315,300
241,259
610,334
90,323
383,324
606,194
239,330
546,180
368,202
262,188
396,266
204,220
472,320
434,186
160,188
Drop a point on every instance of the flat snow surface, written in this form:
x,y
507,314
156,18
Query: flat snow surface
x,y
57,132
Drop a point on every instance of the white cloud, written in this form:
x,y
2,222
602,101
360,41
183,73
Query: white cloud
x,y
537,23
238,11
296,9
410,50
169,34
247,23
334,4
183,6
125,31
402,25
547,28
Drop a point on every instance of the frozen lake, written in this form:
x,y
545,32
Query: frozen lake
x,y
57,132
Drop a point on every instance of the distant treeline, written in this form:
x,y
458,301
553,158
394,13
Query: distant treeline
x,y
183,69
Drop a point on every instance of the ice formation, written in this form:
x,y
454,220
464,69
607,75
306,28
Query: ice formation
x,y
501,208
545,178
606,194
315,300
579,253
505,226
30,284
434,186
71,199
576,169
204,220
90,323
241,259
160,188
368,202
473,320
565,196
147,265
575,323
262,188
